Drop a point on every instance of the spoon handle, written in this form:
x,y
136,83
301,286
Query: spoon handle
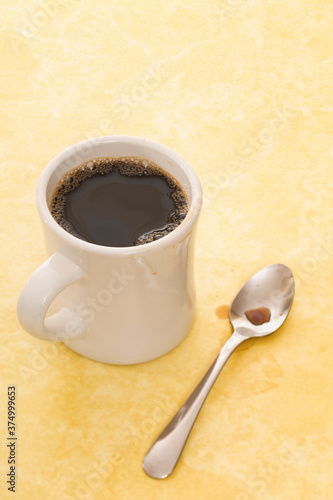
x,y
162,457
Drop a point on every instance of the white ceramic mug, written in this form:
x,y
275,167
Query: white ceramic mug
x,y
115,305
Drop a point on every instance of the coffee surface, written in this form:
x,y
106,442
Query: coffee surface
x,y
118,202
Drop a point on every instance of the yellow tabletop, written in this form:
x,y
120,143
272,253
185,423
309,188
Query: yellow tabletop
x,y
243,91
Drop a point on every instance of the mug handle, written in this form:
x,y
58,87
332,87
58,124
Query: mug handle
x,y
38,293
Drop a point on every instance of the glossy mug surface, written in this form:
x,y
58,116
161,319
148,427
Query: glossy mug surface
x,y
118,305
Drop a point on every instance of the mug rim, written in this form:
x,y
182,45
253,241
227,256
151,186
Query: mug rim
x,y
178,234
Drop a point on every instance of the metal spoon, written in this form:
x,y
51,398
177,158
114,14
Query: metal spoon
x,y
259,309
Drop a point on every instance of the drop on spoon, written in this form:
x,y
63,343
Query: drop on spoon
x,y
258,309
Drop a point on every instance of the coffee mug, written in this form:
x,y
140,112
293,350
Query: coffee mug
x,y
118,305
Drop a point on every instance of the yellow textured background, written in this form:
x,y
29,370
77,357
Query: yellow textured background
x,y
243,90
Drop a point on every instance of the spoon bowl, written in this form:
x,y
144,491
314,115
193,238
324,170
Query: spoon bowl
x,y
271,288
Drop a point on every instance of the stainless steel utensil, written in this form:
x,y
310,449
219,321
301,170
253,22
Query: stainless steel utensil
x,y
258,309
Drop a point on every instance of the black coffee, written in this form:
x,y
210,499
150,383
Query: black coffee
x,y
118,202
